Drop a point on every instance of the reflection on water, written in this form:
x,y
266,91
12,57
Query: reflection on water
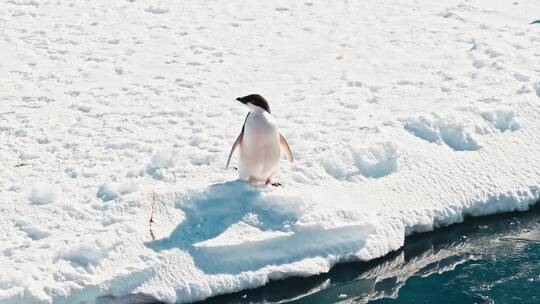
x,y
483,260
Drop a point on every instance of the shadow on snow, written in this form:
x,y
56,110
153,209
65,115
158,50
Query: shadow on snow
x,y
278,239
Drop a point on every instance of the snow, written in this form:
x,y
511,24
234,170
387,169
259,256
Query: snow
x,y
440,130
45,193
502,119
402,116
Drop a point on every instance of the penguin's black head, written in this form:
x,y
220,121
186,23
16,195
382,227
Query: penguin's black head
x,y
256,100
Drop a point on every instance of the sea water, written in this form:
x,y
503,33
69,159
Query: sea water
x,y
494,259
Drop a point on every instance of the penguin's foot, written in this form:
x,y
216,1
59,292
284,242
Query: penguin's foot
x,y
275,184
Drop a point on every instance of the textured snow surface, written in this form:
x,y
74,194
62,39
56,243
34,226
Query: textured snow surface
x,y
403,116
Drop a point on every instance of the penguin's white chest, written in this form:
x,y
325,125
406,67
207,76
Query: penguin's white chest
x,y
259,149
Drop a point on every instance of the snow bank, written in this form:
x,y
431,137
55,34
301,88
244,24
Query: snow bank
x,y
402,118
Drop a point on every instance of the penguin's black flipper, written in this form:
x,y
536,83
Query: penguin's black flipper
x,y
236,143
285,146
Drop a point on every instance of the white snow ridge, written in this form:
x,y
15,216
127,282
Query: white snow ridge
x,y
402,117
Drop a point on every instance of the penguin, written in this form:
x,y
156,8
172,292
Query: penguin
x,y
259,143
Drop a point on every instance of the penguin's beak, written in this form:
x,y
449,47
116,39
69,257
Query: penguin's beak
x,y
241,100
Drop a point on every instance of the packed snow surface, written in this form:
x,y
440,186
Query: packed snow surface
x,y
403,116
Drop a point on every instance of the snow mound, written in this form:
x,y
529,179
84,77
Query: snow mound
x,y
536,87
502,119
439,130
111,191
45,194
156,10
160,164
89,253
35,232
377,161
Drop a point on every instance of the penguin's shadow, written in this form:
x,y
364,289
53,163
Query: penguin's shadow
x,y
278,240
211,212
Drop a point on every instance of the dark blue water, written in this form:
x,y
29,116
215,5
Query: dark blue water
x,y
492,259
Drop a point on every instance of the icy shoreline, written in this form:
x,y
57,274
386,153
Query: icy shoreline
x,y
425,255
220,256
403,117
